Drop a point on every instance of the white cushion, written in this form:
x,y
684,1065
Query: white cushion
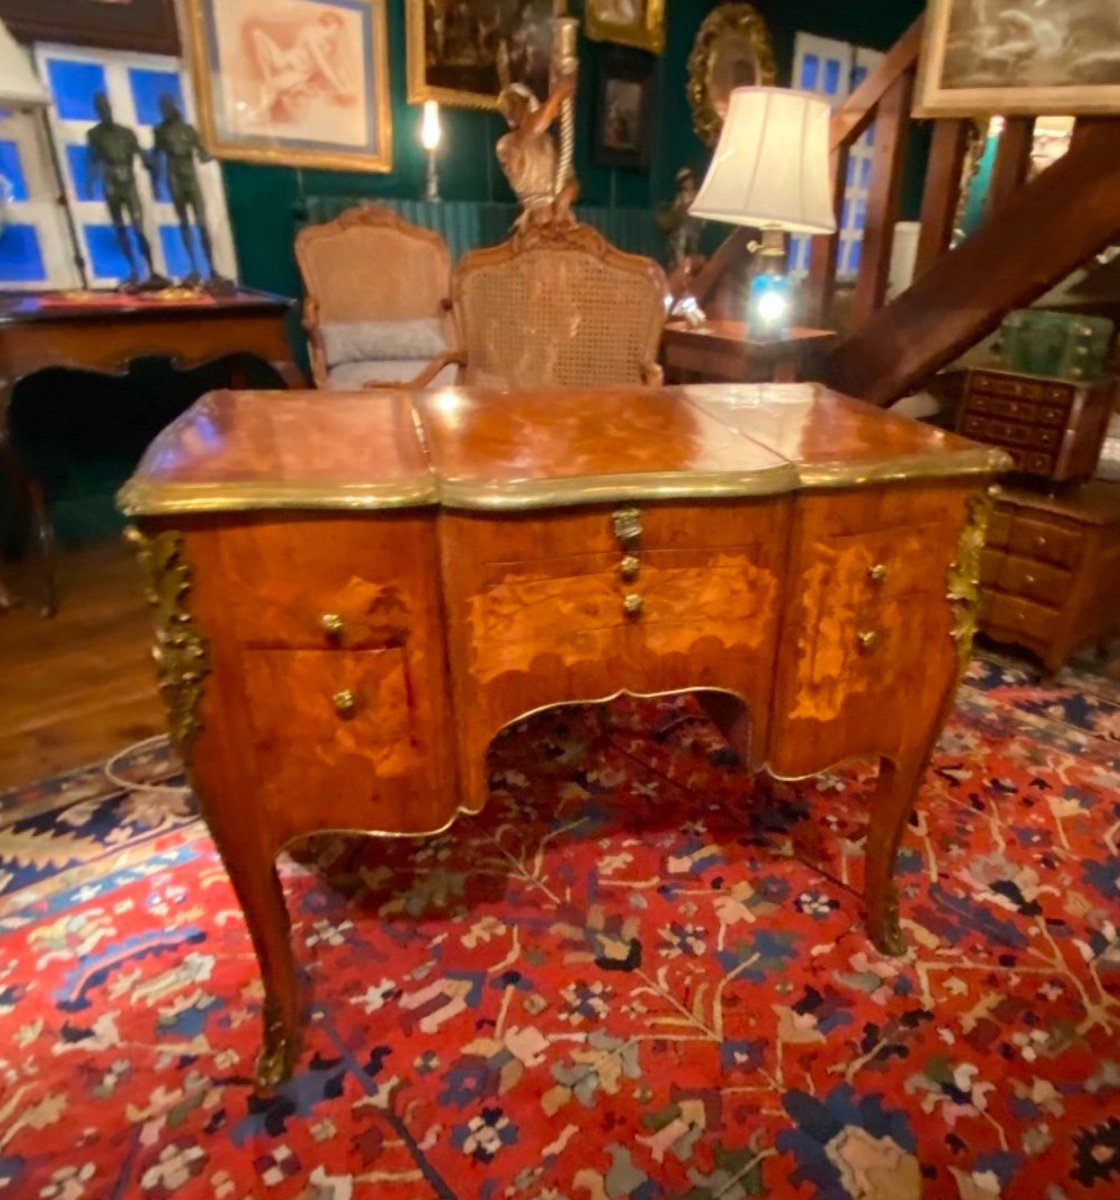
x,y
352,376
366,341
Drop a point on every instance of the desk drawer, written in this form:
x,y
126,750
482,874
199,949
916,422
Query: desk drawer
x,y
323,720
1045,542
1036,581
347,583
1035,623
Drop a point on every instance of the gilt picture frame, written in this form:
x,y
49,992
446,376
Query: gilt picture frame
x,y
1005,58
732,49
298,82
453,49
638,23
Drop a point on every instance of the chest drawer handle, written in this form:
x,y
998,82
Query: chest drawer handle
x,y
333,626
627,523
632,605
868,640
345,703
877,573
629,567
1029,580
1040,541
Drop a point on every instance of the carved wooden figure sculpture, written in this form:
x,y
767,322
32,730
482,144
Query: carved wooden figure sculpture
x,y
344,590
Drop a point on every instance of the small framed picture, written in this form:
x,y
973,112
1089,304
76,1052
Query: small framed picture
x,y
628,22
454,48
301,82
624,110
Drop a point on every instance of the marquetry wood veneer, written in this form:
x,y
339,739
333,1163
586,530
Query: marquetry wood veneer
x,y
355,595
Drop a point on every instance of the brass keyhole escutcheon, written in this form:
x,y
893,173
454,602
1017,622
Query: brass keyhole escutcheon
x,y
868,639
629,567
627,523
877,573
632,605
345,703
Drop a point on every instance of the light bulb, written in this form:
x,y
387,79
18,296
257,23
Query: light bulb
x,y
772,307
430,132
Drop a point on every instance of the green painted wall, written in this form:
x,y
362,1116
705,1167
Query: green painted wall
x,y
264,201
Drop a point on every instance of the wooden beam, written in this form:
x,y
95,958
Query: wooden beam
x,y
821,283
729,253
892,128
942,191
1013,162
857,112
1045,230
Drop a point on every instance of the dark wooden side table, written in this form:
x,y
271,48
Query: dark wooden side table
x,y
719,351
104,331
1051,570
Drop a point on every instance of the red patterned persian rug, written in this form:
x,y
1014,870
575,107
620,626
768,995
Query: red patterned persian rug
x,y
634,976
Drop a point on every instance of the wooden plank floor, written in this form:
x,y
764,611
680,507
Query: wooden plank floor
x,y
77,687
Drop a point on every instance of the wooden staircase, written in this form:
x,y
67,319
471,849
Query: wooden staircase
x,y
1032,236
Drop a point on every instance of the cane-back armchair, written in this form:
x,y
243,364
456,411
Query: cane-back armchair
x,y
556,306
376,305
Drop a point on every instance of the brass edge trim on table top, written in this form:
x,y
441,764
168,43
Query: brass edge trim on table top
x,y
523,495
983,460
142,498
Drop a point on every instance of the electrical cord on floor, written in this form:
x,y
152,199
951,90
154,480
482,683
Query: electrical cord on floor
x,y
133,785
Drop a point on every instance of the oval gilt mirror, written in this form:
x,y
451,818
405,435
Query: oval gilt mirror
x,y
732,49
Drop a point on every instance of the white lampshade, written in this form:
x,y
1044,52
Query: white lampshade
x,y
19,85
771,166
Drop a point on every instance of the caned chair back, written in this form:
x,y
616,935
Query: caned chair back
x,y
558,307
369,264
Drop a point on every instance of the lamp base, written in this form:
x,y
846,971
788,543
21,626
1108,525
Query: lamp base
x,y
770,294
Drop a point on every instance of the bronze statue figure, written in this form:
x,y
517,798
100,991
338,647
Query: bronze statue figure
x,y
176,146
112,151
677,222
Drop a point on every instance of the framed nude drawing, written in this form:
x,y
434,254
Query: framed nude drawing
x,y
455,46
302,82
1011,58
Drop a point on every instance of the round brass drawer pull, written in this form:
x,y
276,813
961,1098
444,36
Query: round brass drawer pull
x,y
629,566
345,702
1029,580
877,573
868,639
332,625
632,605
1040,541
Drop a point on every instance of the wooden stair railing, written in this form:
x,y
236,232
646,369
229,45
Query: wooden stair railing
x,y
1036,237
1033,235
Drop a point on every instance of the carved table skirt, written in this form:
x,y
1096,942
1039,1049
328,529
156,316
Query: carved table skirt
x,y
355,596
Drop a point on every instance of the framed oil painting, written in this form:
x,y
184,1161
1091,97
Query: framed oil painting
x,y
1011,58
638,23
624,110
456,47
301,82
146,25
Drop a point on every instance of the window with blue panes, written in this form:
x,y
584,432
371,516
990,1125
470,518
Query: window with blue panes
x,y
36,250
834,69
134,84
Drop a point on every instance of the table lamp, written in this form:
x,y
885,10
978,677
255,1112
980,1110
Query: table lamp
x,y
771,171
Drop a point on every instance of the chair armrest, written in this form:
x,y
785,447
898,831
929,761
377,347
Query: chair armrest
x,y
447,359
652,375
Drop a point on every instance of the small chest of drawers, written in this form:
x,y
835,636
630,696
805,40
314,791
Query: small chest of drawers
x,y
1051,570
1051,427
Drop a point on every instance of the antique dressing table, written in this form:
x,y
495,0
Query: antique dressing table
x,y
338,583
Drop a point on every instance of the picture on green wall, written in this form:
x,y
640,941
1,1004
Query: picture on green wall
x,y
302,82
455,48
1007,57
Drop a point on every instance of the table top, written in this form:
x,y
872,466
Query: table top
x,y
717,329
18,308
471,448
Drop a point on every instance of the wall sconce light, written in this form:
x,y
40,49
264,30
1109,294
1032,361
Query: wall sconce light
x,y
430,137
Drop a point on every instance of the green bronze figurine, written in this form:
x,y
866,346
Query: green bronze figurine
x,y
112,151
178,145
